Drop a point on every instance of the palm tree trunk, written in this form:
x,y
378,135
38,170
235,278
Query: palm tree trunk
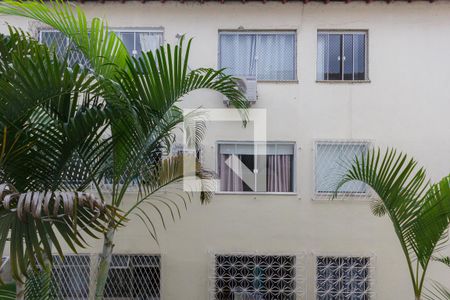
x,y
104,262
20,289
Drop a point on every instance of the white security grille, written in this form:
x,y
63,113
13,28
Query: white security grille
x,y
339,277
71,276
130,277
133,277
332,161
63,46
342,55
257,277
269,55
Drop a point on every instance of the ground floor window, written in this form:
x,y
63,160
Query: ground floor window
x,y
343,278
255,277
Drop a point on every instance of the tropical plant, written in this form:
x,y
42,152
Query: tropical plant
x,y
44,132
418,211
142,96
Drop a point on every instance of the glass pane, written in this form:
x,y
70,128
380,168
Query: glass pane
x,y
332,162
147,41
128,40
359,41
348,57
56,40
334,58
322,56
275,57
238,54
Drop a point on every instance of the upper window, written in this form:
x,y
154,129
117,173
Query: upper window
x,y
135,41
342,55
263,55
343,278
256,167
255,277
333,159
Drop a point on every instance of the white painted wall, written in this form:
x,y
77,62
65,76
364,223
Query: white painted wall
x,y
405,105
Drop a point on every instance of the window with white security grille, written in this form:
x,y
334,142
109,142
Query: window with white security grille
x,y
343,278
256,277
256,167
342,55
264,55
70,276
130,277
133,277
136,42
332,161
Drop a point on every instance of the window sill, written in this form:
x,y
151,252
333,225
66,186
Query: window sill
x,y
257,193
343,81
278,81
361,197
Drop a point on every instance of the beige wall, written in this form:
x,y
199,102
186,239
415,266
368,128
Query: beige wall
x,y
405,105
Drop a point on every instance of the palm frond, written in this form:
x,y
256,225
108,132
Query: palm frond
x,y
102,48
437,291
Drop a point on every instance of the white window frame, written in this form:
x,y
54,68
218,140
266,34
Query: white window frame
x,y
368,255
300,268
294,167
261,32
115,30
366,49
341,195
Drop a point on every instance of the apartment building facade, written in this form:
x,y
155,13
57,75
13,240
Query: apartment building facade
x,y
333,78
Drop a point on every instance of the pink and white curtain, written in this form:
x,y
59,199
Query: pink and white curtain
x,y
279,173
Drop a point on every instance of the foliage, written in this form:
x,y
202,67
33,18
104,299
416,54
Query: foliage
x,y
418,211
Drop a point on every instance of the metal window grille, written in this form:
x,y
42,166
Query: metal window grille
x,y
71,277
342,55
63,46
247,276
266,55
133,277
343,277
134,41
332,160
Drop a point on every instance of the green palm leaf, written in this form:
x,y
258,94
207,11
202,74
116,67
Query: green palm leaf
x,y
418,211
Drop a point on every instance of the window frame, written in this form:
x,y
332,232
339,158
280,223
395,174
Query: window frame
x,y
116,30
261,32
342,32
294,168
372,268
341,195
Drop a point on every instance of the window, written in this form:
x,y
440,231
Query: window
x,y
140,41
134,41
261,55
71,276
342,55
133,277
332,162
343,278
255,277
256,167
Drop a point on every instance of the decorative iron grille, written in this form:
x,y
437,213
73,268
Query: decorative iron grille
x,y
333,159
257,277
340,277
